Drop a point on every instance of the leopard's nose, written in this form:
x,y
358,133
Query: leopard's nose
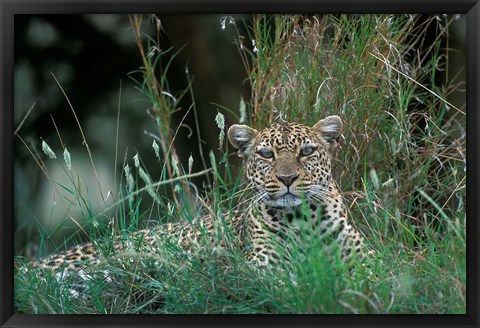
x,y
287,180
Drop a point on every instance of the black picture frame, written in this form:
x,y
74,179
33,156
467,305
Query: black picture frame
x,y
10,8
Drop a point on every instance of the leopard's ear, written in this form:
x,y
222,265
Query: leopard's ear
x,y
241,137
329,130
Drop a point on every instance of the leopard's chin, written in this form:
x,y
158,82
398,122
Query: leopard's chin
x,y
286,200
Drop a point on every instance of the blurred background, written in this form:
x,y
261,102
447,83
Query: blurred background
x,y
94,58
91,56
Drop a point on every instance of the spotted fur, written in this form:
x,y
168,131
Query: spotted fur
x,y
289,167
289,170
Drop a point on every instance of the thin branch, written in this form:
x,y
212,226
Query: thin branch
x,y
116,143
83,136
24,118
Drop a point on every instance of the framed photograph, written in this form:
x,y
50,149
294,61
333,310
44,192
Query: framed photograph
x,y
175,161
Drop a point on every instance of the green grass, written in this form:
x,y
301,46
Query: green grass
x,y
404,185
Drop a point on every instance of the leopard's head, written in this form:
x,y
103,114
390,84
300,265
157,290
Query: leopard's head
x,y
287,162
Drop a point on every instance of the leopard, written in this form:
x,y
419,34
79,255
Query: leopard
x,y
288,171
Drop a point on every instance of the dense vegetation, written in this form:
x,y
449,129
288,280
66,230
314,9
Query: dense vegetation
x,y
400,164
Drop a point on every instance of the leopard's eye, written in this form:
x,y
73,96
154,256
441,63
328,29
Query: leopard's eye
x,y
307,150
265,153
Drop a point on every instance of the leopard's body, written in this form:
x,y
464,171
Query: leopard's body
x,y
289,174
